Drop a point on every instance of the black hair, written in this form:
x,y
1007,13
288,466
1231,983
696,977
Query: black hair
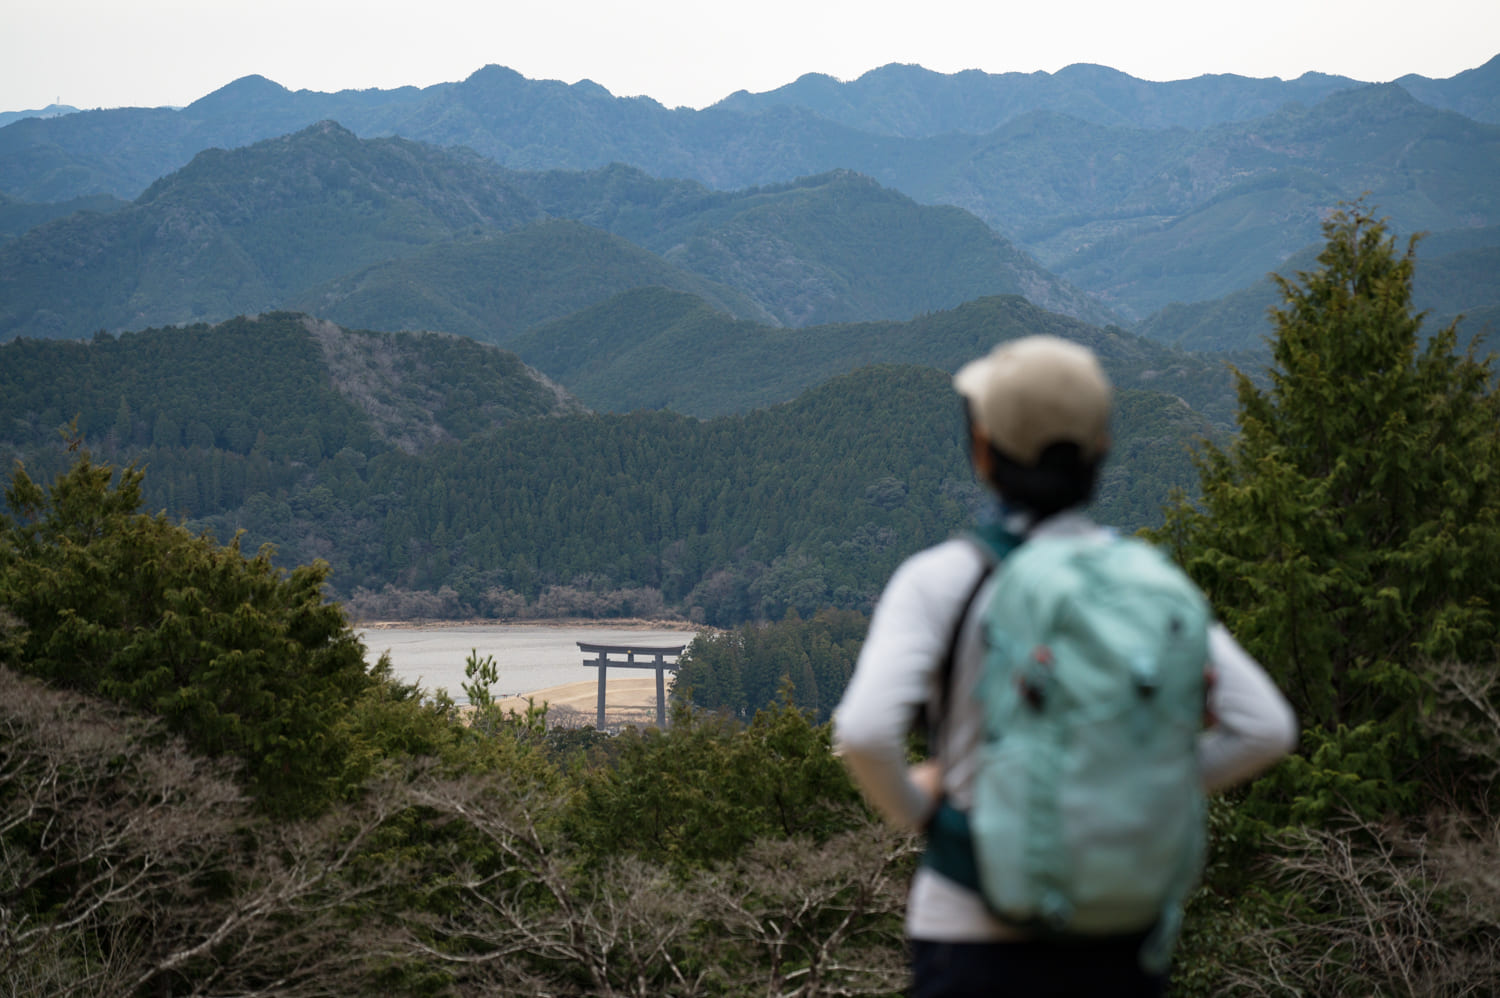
x,y
1061,478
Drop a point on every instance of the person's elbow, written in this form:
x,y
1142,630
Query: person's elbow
x,y
1230,757
878,767
862,748
1274,734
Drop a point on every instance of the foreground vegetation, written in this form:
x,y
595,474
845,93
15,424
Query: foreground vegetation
x,y
201,793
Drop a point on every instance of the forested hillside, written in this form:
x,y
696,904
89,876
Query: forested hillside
x,y
655,348
439,476
239,231
913,102
246,406
17,217
1141,194
1459,276
835,247
1144,219
389,234
493,286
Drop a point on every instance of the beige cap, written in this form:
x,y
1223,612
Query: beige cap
x,y
1030,393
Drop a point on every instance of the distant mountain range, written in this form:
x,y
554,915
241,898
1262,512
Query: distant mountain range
x,y
50,111
913,102
1109,198
392,234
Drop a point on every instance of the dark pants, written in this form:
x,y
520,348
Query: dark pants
x,y
1032,969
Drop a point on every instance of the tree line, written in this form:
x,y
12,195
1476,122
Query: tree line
x,y
468,488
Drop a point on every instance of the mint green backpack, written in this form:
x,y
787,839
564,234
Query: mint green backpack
x,y
1088,813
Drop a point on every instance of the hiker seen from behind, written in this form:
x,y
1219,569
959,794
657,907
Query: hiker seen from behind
x,y
1079,700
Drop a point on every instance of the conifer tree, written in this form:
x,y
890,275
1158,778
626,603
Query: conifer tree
x,y
1351,531
237,657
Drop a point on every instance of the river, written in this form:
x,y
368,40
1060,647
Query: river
x,y
528,657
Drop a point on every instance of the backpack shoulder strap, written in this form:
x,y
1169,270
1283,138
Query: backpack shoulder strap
x,y
993,546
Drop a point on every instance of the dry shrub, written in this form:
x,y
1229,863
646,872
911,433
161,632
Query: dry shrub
x,y
130,865
1404,907
1371,910
790,918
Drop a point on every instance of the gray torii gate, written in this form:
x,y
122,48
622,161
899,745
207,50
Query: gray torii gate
x,y
657,660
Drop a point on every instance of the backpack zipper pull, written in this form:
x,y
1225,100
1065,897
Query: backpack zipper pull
x,y
1034,680
1146,673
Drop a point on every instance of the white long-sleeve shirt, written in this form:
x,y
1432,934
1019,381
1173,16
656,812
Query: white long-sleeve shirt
x,y
898,672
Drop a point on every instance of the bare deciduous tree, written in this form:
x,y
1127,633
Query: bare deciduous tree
x,y
1382,911
519,918
791,919
817,919
1467,714
1397,909
129,865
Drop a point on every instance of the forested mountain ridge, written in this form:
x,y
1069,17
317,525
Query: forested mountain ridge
x,y
1458,277
912,102
239,231
493,286
1474,93
441,476
50,111
835,247
422,390
121,151
1143,219
18,217
1141,194
277,389
656,348
391,234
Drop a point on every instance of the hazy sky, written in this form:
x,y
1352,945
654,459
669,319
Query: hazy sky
x,y
110,53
